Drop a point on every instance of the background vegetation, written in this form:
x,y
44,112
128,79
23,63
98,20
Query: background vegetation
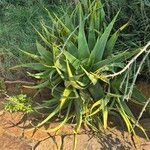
x,y
79,51
16,30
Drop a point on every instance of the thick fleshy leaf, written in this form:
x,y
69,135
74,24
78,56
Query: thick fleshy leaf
x,y
72,48
43,38
73,60
99,15
83,49
105,112
33,56
97,53
34,66
112,41
61,123
71,79
63,100
39,86
121,57
100,92
90,76
91,35
78,107
45,54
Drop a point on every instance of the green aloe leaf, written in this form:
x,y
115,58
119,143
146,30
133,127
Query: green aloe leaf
x,y
97,52
97,110
121,57
100,92
83,49
34,66
91,35
61,123
138,95
72,80
39,86
72,49
36,57
43,38
62,100
45,54
90,76
112,41
72,59
78,107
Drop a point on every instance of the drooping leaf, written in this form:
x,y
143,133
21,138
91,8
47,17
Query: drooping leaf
x,y
78,107
39,86
34,66
121,57
34,56
63,100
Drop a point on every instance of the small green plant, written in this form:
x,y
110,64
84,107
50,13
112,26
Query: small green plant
x,y
77,61
19,103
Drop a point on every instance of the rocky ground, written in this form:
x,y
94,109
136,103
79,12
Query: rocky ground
x,y
15,135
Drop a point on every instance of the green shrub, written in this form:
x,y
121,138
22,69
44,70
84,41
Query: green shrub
x,y
138,13
19,103
138,32
76,60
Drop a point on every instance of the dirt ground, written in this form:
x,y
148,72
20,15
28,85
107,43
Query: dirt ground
x,y
15,135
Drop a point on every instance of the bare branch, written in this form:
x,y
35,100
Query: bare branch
x,y
131,61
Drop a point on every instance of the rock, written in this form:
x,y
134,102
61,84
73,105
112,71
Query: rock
x,y
145,146
12,118
1,131
8,142
1,112
50,144
38,135
84,142
14,131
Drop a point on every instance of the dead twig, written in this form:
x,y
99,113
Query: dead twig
x,y
143,109
131,61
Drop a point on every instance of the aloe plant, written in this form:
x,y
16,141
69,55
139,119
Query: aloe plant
x,y
75,60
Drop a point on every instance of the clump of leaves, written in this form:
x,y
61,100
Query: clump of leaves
x,y
138,32
76,61
19,103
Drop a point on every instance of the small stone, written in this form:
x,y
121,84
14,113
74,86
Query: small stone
x,y
146,146
84,142
1,112
8,142
13,118
38,135
1,131
14,131
52,143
